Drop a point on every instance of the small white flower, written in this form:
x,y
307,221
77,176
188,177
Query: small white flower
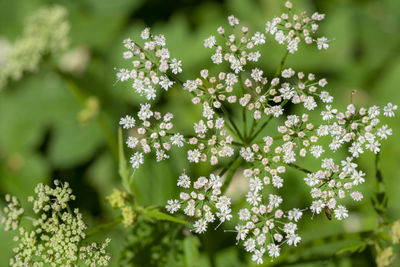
x,y
128,122
280,37
256,74
341,212
200,226
145,34
292,46
184,181
123,75
176,66
274,200
357,196
295,214
322,43
270,27
145,112
317,206
132,142
136,160
233,20
177,140
173,206
293,239
209,42
316,151
190,85
258,38
273,250
258,255
389,109
194,155
165,83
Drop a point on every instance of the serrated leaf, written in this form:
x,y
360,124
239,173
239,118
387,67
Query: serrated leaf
x,y
156,214
191,251
357,246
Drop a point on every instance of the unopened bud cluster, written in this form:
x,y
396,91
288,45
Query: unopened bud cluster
x,y
57,234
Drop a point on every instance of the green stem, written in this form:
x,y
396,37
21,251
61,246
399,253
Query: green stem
x,y
103,226
297,167
261,128
253,126
283,60
226,168
243,108
379,199
232,170
236,131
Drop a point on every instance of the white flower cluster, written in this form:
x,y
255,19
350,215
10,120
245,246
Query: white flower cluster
x,y
264,227
204,202
266,153
213,90
290,29
56,235
358,128
212,141
150,64
148,136
237,50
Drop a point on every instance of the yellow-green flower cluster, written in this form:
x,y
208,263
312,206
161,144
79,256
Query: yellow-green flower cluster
x,y
13,213
128,216
117,200
395,232
57,235
45,32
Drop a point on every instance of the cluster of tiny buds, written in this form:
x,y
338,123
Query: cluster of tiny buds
x,y
13,213
56,235
204,202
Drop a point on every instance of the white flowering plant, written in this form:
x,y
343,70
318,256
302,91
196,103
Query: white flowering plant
x,y
262,152
254,136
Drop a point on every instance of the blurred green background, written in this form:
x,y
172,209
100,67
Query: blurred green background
x,y
45,135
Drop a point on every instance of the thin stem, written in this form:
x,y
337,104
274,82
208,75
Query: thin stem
x,y
237,132
297,167
379,199
232,170
243,109
283,60
104,226
226,168
253,126
261,128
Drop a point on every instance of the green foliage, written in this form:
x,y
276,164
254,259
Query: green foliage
x,y
159,244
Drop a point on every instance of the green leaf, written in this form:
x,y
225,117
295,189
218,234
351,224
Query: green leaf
x,y
357,246
191,251
123,168
156,214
